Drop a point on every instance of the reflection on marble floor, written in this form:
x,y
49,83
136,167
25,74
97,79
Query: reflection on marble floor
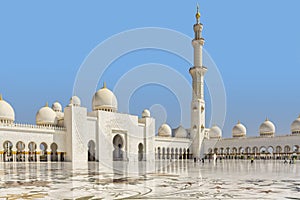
x,y
169,180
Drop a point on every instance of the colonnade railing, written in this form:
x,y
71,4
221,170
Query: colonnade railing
x,y
274,156
27,156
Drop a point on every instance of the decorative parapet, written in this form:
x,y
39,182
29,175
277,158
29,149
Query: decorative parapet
x,y
31,126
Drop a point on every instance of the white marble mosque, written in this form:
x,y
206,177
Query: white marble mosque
x,y
73,134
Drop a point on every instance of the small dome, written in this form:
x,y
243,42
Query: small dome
x,y
267,128
45,116
215,132
56,106
59,120
180,132
145,113
165,131
104,99
75,101
60,115
7,113
295,127
239,130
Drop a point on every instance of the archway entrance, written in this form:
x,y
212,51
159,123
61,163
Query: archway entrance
x,y
32,152
7,154
118,148
43,153
140,151
91,151
54,156
20,157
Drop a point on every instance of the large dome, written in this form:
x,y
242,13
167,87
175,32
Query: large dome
x,y
165,131
215,132
239,130
104,99
7,113
180,132
45,116
295,127
267,128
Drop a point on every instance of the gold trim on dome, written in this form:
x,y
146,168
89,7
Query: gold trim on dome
x,y
267,119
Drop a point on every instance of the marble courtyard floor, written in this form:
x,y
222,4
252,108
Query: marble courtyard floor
x,y
230,179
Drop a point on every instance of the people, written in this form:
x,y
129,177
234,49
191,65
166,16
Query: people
x,y
252,160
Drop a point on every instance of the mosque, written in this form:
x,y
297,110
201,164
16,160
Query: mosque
x,y
73,134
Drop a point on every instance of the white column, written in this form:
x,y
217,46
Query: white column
x,y
14,152
38,154
48,156
58,156
26,151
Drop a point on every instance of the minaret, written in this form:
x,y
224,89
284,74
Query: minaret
x,y
198,104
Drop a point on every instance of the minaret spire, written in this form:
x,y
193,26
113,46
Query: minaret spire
x,y
197,14
198,102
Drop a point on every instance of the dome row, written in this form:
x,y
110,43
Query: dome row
x,y
267,128
166,131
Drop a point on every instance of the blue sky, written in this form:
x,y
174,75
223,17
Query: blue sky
x,y
255,45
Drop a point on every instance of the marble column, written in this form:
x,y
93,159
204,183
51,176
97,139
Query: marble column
x,y
48,156
26,152
38,153
58,156
14,154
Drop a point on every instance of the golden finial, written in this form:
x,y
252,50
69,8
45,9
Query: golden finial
x,y
47,104
198,14
267,119
239,122
299,116
104,84
1,97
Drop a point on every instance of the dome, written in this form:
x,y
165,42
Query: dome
x,y
60,115
215,132
295,127
75,101
56,106
59,120
104,99
45,116
239,130
164,130
146,113
267,128
7,113
180,132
